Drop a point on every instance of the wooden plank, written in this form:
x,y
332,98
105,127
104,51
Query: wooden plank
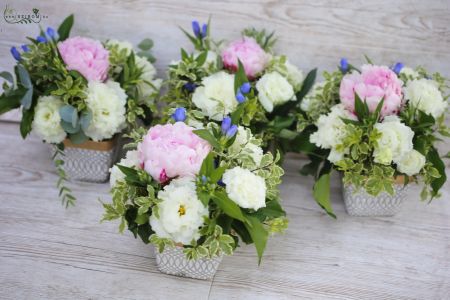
x,y
52,253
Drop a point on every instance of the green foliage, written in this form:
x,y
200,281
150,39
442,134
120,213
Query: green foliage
x,y
65,27
65,193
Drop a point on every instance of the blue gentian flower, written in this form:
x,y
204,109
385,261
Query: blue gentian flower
x,y
51,33
41,39
196,28
398,67
190,86
179,115
245,87
15,53
344,65
25,48
239,97
220,182
204,30
231,131
226,124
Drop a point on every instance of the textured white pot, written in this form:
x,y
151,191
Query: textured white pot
x,y
173,261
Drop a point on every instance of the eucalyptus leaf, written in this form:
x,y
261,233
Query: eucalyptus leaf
x,y
85,119
69,114
24,77
67,126
78,137
27,99
8,76
145,44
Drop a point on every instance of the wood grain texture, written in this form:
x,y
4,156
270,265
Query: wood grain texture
x,y
47,252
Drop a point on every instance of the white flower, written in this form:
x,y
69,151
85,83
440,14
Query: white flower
x,y
331,131
425,95
180,212
216,97
107,103
395,141
245,188
47,121
274,89
147,90
409,72
243,144
131,160
294,75
309,102
411,163
121,45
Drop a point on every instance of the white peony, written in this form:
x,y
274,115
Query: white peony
x,y
107,103
243,144
274,89
395,141
331,131
47,121
147,90
245,188
425,95
309,102
121,45
216,97
131,160
181,213
411,163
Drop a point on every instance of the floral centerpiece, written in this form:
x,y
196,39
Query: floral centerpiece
x,y
77,93
379,127
244,79
196,194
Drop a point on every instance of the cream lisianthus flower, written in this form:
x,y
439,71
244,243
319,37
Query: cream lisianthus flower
x,y
47,121
425,95
131,160
274,89
107,103
149,86
411,163
395,142
180,212
216,96
121,45
331,131
245,188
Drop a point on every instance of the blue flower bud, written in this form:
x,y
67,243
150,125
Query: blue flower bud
x,y
179,115
239,97
204,30
398,67
25,48
41,39
15,53
196,28
220,182
245,87
232,131
344,65
226,123
204,179
190,86
51,33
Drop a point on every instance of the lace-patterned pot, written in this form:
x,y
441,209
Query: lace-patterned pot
x,y
173,261
362,204
89,161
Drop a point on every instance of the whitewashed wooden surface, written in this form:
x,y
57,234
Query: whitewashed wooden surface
x,y
48,252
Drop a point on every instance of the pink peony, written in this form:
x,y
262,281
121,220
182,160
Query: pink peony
x,y
249,52
372,84
172,150
86,56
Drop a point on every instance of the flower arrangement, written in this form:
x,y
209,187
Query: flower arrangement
x,y
378,124
77,89
244,79
203,190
